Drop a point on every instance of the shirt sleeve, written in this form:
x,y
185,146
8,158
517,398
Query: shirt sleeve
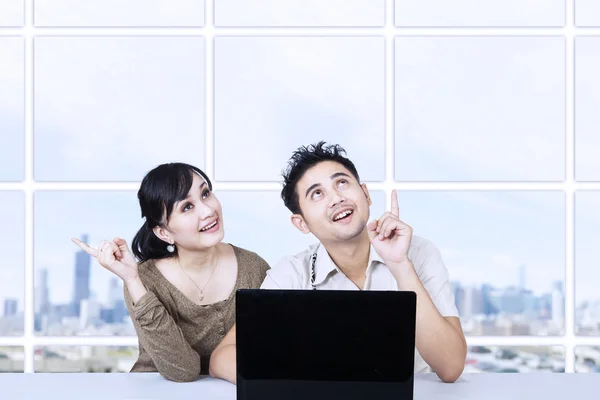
x,y
162,339
436,280
286,274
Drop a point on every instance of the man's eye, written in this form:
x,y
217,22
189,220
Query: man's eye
x,y
316,193
342,182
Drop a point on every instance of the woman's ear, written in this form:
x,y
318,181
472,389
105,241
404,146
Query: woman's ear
x,y
162,234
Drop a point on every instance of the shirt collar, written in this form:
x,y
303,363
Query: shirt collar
x,y
325,265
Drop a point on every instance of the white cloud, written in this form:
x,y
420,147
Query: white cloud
x,y
587,101
480,13
113,108
119,12
274,94
12,246
480,108
12,108
59,216
300,12
12,13
587,13
489,240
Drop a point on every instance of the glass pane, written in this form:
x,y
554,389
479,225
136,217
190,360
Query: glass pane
x,y
587,359
280,238
587,299
85,358
119,12
480,108
480,12
112,108
11,359
587,13
504,252
12,264
12,108
587,101
75,295
300,13
275,94
515,359
12,13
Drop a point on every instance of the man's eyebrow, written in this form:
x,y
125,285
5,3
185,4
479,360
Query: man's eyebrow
x,y
339,174
311,187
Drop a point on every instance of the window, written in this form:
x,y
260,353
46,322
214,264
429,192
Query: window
x,y
481,115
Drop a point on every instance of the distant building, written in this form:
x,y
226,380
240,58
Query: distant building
x,y
10,307
81,282
42,295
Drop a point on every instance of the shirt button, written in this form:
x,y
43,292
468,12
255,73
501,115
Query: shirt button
x,y
222,331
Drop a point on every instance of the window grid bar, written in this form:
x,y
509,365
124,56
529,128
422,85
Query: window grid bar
x,y
537,341
569,285
250,185
209,87
569,31
389,102
29,189
298,31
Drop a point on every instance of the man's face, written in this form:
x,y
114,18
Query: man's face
x,y
335,206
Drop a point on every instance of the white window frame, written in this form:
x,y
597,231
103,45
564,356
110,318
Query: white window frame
x,y
29,341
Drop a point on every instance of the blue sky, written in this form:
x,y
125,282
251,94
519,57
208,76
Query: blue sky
x,y
109,109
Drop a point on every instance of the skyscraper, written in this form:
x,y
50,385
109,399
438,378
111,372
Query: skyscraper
x,y
42,297
115,292
10,307
558,303
81,283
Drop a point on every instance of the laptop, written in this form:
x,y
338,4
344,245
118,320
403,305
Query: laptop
x,y
322,344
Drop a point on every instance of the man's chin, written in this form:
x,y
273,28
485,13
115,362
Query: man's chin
x,y
348,235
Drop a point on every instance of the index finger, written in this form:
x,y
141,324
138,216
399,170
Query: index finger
x,y
83,246
395,209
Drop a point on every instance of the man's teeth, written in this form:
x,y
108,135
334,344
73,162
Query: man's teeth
x,y
208,227
342,215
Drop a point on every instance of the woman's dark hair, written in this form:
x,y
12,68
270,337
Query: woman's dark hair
x,y
161,188
303,159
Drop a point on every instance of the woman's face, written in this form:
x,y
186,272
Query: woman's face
x,y
196,222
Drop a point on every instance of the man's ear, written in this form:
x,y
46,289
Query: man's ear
x,y
366,191
299,223
162,234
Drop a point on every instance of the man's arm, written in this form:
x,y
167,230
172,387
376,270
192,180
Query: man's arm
x,y
223,359
439,340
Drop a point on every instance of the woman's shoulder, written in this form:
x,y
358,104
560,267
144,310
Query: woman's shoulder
x,y
250,260
147,271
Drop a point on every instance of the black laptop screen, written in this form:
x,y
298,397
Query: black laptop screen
x,y
366,336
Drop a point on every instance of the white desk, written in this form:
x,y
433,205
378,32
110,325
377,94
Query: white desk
x,y
146,386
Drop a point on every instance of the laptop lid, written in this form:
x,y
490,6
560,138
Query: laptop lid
x,y
325,344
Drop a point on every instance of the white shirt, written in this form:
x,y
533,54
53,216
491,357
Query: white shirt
x,y
293,272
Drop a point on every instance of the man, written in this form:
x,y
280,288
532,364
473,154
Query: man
x,y
322,189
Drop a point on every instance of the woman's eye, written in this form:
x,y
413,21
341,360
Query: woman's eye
x,y
205,194
187,207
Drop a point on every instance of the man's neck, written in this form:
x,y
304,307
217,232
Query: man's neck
x,y
351,256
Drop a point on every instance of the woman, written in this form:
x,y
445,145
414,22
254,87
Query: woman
x,y
181,290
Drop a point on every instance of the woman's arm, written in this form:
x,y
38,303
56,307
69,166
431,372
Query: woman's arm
x,y
223,359
160,336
